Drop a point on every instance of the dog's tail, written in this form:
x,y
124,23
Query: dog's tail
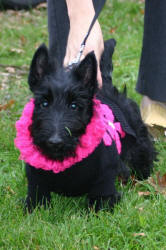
x,y
106,65
142,154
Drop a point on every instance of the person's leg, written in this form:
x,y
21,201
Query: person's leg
x,y
58,28
152,72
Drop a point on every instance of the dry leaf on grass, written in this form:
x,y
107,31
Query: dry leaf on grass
x,y
42,6
134,181
124,181
7,106
96,248
4,74
10,69
19,51
10,190
142,11
161,180
3,85
112,30
37,45
23,40
146,193
159,184
138,234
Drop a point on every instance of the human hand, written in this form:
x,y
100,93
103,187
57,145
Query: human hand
x,y
79,25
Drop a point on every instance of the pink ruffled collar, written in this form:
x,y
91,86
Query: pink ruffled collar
x,y
101,127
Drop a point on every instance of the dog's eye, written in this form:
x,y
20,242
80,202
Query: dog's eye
x,y
73,106
44,104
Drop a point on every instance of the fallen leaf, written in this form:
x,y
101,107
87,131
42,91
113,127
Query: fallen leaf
x,y
37,45
23,40
133,180
138,234
7,106
142,12
42,6
146,193
4,81
96,248
161,180
112,30
19,51
10,69
10,190
5,74
159,184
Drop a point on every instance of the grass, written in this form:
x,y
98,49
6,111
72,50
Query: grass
x,y
138,221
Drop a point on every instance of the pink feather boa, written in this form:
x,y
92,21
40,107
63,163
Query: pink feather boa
x,y
101,127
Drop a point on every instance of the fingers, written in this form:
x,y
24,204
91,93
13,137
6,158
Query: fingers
x,y
66,61
69,59
98,53
94,43
99,77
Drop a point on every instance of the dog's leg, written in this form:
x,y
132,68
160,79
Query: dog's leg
x,y
124,172
38,193
36,196
142,155
98,201
103,188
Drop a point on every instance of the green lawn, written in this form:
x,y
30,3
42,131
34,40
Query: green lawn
x,y
139,220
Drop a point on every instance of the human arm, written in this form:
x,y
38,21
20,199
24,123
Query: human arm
x,y
81,14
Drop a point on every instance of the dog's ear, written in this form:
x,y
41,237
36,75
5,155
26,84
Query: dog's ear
x,y
39,66
86,71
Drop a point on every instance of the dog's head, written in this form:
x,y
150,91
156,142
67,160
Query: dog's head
x,y
63,103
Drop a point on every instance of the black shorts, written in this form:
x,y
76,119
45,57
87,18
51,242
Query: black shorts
x,y
152,71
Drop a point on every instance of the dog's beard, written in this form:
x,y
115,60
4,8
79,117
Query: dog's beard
x,y
54,152
58,153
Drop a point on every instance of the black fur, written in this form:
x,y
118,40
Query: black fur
x,y
63,108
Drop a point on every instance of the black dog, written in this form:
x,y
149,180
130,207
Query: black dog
x,y
63,109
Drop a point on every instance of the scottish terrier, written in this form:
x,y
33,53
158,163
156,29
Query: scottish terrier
x,y
81,137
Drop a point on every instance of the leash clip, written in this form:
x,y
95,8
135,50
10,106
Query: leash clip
x,y
78,57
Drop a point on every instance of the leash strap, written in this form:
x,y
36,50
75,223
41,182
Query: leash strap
x,y
77,59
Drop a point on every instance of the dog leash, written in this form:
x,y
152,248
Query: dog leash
x,y
78,57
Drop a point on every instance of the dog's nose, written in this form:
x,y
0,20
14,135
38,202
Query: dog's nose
x,y
55,141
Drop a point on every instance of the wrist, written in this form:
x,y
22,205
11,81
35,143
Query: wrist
x,y
80,10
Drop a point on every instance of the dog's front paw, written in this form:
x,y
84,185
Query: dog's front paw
x,y
97,203
29,205
114,199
